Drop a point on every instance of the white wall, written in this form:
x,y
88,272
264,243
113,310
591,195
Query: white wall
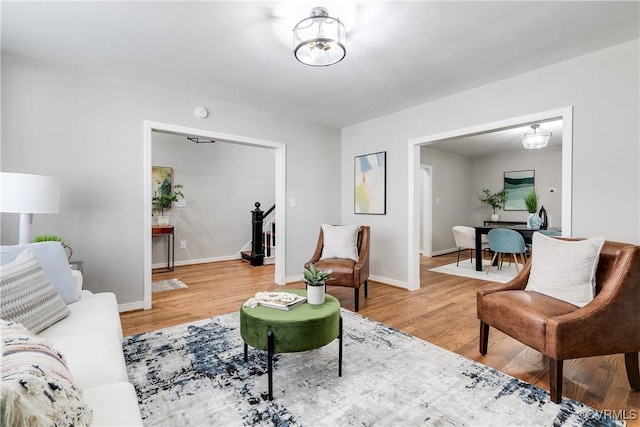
x,y
222,181
89,131
488,171
451,195
602,87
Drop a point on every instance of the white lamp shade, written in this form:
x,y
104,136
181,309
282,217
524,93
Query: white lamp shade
x,y
26,193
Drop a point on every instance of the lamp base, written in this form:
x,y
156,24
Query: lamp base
x,y
26,219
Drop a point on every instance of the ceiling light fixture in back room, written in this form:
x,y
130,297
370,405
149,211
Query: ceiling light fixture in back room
x,y
535,138
319,40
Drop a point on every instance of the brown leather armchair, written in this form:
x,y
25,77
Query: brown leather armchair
x,y
346,272
609,324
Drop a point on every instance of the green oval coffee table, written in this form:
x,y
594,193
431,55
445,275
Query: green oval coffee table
x,y
304,327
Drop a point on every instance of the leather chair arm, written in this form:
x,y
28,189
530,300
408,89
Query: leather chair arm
x,y
517,283
318,252
361,269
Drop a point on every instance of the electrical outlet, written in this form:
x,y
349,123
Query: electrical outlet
x,y
183,244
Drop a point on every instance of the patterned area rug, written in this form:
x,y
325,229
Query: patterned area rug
x,y
195,375
167,285
468,269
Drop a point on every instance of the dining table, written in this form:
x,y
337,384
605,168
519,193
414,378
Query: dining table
x,y
526,232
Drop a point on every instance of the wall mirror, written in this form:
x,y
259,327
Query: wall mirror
x,y
516,185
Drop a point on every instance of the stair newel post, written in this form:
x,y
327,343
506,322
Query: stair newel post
x,y
257,249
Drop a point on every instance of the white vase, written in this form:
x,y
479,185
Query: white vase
x,y
163,220
315,294
529,220
495,217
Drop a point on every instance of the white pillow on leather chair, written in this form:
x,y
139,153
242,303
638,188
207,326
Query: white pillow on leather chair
x,y
340,241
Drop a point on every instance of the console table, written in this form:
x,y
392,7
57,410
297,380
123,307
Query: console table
x,y
167,230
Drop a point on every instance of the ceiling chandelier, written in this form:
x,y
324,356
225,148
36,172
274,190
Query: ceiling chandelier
x,y
319,40
535,138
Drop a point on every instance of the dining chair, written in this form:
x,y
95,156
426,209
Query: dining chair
x,y
465,238
504,241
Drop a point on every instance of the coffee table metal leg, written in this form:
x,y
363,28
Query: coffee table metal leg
x,y
340,349
246,352
270,347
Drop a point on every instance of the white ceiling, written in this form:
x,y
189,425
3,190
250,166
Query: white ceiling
x,y
399,54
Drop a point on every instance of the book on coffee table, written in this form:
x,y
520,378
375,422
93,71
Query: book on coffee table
x,y
282,305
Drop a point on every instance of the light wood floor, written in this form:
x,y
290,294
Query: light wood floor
x,y
442,312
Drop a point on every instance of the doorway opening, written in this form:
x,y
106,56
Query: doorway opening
x,y
279,150
415,175
427,200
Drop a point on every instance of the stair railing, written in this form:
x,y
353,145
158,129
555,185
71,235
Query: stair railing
x,y
259,235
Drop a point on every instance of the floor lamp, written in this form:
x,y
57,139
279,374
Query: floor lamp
x,y
28,194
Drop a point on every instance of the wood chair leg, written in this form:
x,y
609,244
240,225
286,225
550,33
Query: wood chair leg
x,y
495,254
484,338
357,298
633,371
555,380
515,260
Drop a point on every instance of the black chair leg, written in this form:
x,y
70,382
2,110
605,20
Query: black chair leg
x,y
555,380
484,338
633,372
458,261
357,298
366,288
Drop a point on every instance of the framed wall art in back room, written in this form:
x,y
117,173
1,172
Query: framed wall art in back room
x,y
370,184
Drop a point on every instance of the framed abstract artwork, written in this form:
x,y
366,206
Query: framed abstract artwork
x,y
516,185
161,181
370,184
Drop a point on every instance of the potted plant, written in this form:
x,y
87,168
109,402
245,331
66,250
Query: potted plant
x,y
162,199
54,238
316,283
531,203
495,200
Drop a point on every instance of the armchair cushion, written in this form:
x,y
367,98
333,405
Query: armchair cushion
x,y
340,241
564,269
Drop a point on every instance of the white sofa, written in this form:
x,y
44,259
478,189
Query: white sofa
x,y
90,339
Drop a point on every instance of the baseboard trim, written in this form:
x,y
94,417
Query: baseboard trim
x,y
388,281
130,306
444,251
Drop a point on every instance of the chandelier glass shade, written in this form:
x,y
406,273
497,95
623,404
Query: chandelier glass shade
x,y
535,138
319,40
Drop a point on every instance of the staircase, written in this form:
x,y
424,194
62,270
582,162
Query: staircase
x,y
263,241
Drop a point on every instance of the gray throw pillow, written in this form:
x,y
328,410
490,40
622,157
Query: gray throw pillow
x,y
563,269
27,296
54,262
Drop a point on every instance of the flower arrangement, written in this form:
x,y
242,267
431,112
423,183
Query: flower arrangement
x,y
531,201
495,200
315,277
